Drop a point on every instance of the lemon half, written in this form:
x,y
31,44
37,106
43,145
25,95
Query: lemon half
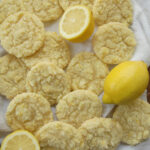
x,y
20,140
77,24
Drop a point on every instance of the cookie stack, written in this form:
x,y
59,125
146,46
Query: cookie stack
x,y
37,72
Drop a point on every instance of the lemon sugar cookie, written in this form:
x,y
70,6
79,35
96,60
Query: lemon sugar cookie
x,y
22,34
87,72
101,133
8,7
48,80
47,10
13,74
59,136
78,106
55,50
135,121
28,111
106,11
114,43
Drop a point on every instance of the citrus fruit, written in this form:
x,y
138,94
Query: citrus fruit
x,y
20,140
125,82
77,24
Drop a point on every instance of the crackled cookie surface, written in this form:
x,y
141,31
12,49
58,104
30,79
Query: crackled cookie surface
x,y
59,136
106,11
22,34
46,10
8,7
101,133
48,80
28,111
55,50
87,72
135,121
114,43
13,74
68,3
78,106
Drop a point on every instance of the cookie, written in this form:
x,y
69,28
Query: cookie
x,y
68,3
87,72
135,121
78,106
59,136
114,43
22,34
13,74
55,50
47,10
28,111
106,11
8,7
101,133
48,80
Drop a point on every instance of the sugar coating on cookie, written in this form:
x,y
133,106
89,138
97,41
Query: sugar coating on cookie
x,y
106,11
8,7
87,72
28,111
59,136
68,3
135,121
48,80
13,74
114,43
22,34
78,106
55,50
47,10
101,133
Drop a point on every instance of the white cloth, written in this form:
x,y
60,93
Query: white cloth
x,y
141,27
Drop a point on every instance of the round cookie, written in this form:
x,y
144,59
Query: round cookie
x,y
28,111
106,11
101,133
87,72
13,74
22,34
68,3
47,10
78,106
8,7
55,50
48,80
114,43
59,136
135,121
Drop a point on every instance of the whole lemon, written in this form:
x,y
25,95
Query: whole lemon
x,y
126,82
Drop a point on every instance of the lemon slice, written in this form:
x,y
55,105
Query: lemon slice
x,y
20,140
77,24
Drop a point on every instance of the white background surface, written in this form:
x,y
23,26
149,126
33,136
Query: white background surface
x,y
141,28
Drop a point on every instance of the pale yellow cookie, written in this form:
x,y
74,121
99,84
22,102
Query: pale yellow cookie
x,y
101,133
48,80
78,106
114,43
59,136
28,111
22,34
13,74
68,3
135,121
106,11
8,7
55,50
46,10
87,72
